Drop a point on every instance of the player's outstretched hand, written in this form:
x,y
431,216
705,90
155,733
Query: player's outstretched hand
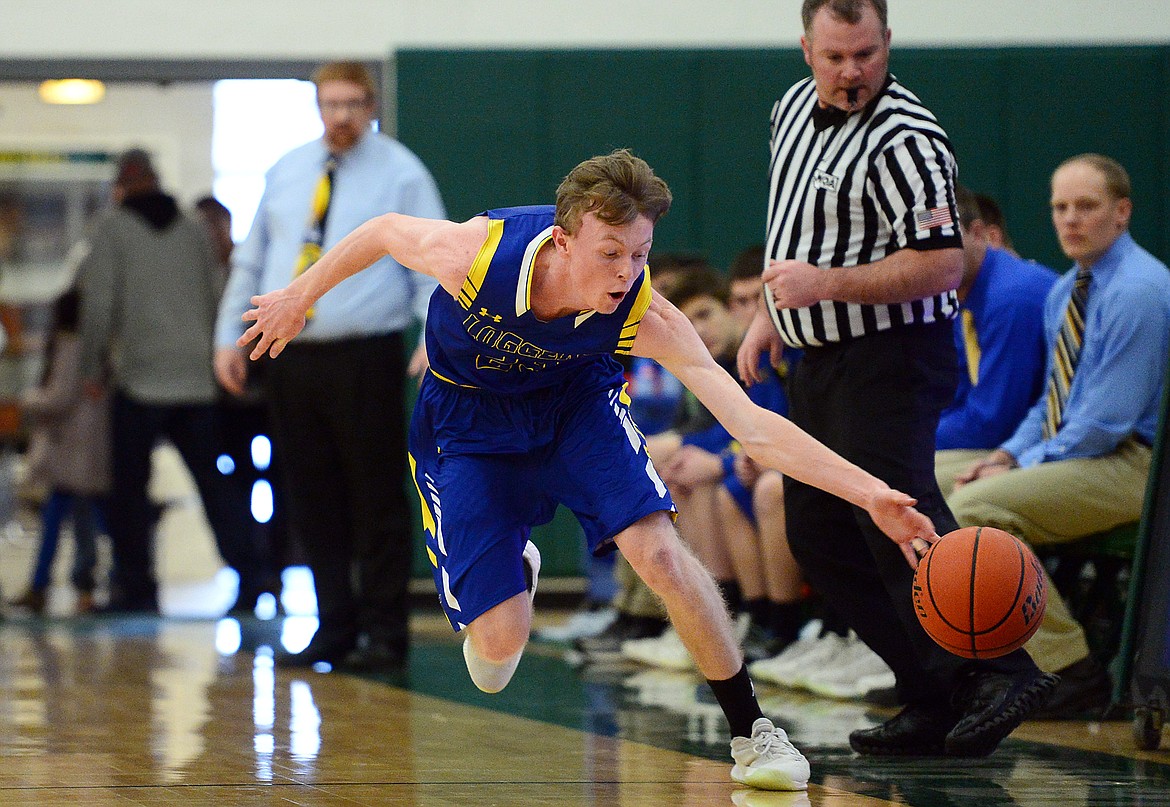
x,y
894,514
278,316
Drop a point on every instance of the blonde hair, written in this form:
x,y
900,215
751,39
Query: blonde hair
x,y
617,187
353,72
1116,178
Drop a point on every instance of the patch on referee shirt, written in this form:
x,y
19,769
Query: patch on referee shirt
x,y
935,217
824,181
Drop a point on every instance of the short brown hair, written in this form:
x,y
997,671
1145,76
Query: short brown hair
x,y
848,10
748,264
1116,178
698,280
968,206
353,72
617,187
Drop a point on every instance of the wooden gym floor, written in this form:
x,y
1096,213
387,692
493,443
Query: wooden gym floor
x,y
187,709
152,711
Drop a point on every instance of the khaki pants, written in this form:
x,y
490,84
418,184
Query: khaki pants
x,y
634,597
951,462
1054,503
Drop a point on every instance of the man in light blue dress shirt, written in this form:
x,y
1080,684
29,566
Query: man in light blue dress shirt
x,y
1090,475
338,397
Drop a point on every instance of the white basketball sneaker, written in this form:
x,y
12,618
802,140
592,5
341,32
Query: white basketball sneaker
x,y
532,561
767,760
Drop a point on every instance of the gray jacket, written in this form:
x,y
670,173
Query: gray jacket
x,y
150,289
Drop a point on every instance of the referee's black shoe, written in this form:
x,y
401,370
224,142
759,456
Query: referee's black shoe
x,y
919,730
993,705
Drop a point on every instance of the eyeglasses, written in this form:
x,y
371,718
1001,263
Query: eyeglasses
x,y
352,105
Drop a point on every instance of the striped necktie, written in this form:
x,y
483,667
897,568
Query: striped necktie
x,y
1068,350
315,235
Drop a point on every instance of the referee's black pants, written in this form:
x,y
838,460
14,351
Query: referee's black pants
x,y
876,400
339,423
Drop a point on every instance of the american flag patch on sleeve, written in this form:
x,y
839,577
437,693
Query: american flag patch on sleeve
x,y
935,217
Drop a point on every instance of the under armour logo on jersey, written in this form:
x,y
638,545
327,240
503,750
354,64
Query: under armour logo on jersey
x,y
483,312
824,181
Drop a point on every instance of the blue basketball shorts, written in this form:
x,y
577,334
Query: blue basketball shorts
x,y
490,467
741,495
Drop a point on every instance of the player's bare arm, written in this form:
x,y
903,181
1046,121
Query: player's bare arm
x,y
908,274
666,336
442,249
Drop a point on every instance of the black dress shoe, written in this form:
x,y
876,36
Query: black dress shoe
x,y
330,652
919,730
607,645
374,658
125,606
993,705
1084,693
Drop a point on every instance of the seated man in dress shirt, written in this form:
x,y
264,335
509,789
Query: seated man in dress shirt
x,y
1078,463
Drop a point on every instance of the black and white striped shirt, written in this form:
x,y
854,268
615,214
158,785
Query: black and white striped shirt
x,y
848,190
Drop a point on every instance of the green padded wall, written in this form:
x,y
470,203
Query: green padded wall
x,y
503,127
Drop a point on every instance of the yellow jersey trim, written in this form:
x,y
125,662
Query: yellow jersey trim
x,y
428,519
479,267
442,377
637,311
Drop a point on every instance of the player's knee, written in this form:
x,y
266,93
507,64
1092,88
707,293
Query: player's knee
x,y
663,565
499,635
497,646
768,494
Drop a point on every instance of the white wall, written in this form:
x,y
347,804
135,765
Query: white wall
x,y
173,121
312,29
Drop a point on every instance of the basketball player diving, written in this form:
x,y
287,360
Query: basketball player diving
x,y
524,408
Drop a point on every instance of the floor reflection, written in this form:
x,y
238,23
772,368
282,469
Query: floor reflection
x,y
153,711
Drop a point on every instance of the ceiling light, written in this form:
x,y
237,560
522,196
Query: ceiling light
x,y
72,91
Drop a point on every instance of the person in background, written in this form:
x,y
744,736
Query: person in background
x,y
241,419
751,500
999,339
994,224
1078,463
149,286
338,397
69,454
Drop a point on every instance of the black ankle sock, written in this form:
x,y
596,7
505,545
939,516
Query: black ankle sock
x,y
831,622
729,589
737,698
760,611
786,619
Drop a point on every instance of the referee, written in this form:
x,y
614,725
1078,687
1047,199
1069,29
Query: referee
x,y
864,256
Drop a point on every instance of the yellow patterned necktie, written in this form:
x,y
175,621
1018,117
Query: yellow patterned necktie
x,y
971,345
1068,351
315,237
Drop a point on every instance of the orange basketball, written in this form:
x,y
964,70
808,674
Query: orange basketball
x,y
979,592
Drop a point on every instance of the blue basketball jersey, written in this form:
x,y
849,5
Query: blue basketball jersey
x,y
518,416
490,339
